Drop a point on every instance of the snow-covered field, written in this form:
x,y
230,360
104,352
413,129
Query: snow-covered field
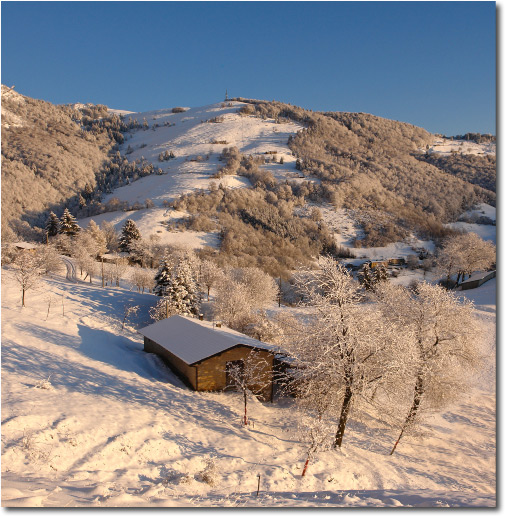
x,y
153,222
486,232
446,147
90,420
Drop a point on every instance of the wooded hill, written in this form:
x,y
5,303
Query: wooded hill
x,y
376,165
47,158
60,156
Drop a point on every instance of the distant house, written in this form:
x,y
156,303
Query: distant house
x,y
114,257
396,261
375,264
477,280
24,246
200,353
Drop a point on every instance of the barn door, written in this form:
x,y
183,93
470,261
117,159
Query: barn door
x,y
235,364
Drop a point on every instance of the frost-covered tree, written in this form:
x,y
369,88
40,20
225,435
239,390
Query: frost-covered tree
x,y
129,310
209,275
129,233
68,224
345,345
52,225
464,254
84,250
249,375
315,419
175,280
27,272
142,278
163,309
443,333
98,236
232,304
111,236
49,259
261,287
120,267
144,251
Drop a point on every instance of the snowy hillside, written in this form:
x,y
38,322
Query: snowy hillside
x,y
447,147
190,136
89,419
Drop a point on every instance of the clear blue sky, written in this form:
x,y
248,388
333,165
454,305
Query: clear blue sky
x,y
432,64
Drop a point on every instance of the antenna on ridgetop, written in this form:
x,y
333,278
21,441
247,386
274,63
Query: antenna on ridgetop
x,y
226,96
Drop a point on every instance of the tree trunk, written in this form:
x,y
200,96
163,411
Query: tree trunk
x,y
23,298
418,396
344,414
245,408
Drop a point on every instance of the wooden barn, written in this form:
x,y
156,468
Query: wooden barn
x,y
200,353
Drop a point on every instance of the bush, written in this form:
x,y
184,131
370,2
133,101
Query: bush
x,y
179,110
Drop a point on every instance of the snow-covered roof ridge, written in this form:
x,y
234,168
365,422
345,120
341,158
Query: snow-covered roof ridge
x,y
193,340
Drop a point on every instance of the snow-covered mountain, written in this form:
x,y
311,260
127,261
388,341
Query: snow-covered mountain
x,y
89,419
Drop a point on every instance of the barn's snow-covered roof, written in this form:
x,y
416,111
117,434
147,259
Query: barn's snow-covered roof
x,y
477,276
193,340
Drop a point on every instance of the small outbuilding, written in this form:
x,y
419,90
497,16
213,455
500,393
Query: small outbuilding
x,y
477,280
201,353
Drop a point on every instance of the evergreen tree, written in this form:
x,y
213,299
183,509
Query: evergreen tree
x,y
68,224
130,232
176,282
82,201
381,274
368,280
163,277
52,225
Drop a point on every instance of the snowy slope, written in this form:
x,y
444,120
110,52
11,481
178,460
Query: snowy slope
x,y
485,231
117,428
446,147
189,135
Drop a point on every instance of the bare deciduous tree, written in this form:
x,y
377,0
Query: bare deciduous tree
x,y
27,272
443,331
250,375
345,345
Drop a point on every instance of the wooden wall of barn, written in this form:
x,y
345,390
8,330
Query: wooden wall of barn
x,y
212,371
187,372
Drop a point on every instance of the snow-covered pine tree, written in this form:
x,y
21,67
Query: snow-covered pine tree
x,y
175,280
163,276
68,224
368,280
52,225
183,290
381,274
129,233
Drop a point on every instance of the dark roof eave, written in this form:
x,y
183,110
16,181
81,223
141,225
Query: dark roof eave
x,y
258,348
